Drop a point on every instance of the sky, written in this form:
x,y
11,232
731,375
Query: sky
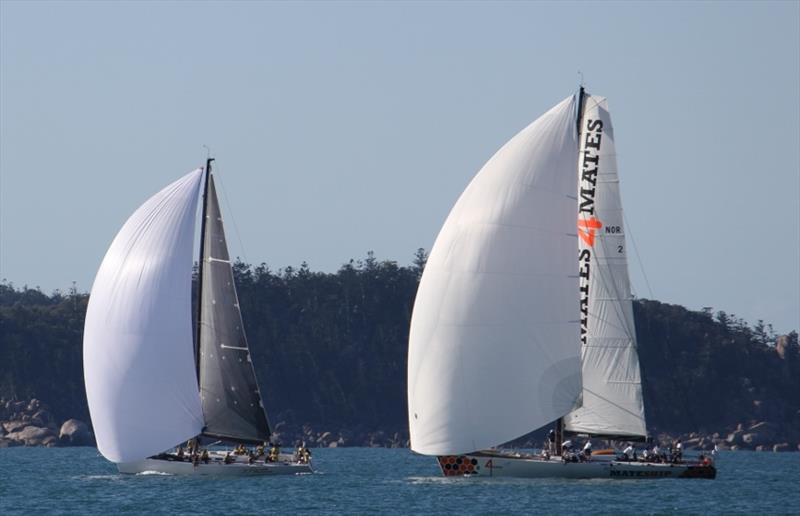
x,y
344,127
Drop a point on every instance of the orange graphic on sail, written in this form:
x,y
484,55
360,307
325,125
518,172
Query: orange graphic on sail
x,y
586,229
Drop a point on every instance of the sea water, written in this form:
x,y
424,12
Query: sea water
x,y
382,481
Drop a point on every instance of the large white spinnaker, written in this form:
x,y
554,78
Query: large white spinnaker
x,y
494,340
137,348
612,386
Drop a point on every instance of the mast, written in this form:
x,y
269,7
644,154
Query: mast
x,y
579,117
206,175
578,124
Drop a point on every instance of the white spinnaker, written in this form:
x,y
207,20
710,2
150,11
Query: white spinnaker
x,y
612,386
138,353
494,340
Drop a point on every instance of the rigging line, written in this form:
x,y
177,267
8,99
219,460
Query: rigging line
x,y
638,257
233,219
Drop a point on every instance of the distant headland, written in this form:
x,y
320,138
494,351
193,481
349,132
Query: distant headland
x,y
330,354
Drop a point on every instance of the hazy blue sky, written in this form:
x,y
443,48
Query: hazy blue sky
x,y
344,127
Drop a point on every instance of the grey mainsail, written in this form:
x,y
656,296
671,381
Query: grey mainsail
x,y
229,393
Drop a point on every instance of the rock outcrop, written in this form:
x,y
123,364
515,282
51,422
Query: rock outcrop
x,y
33,436
75,433
31,423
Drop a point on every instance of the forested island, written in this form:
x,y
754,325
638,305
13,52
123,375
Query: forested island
x,y
330,354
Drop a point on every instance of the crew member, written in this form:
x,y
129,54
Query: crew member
x,y
551,441
628,452
587,449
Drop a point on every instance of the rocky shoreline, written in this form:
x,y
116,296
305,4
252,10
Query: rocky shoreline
x,y
31,423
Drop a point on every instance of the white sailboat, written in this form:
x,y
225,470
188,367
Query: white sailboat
x,y
510,332
149,387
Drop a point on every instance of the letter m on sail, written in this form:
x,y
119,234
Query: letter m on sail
x,y
586,229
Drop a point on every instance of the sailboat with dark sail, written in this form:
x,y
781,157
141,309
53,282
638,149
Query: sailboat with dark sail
x,y
153,383
510,332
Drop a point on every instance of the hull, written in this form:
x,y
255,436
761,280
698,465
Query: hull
x,y
216,466
534,466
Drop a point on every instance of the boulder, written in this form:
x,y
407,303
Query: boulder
x,y
31,435
765,430
782,447
734,438
75,433
695,442
14,426
43,417
33,406
751,440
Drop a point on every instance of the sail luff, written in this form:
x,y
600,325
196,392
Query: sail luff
x,y
612,395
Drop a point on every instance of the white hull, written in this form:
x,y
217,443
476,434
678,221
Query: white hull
x,y
216,466
531,466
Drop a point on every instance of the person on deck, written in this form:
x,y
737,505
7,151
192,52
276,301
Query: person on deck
x,y
628,452
274,453
587,450
228,458
566,451
551,441
204,456
678,451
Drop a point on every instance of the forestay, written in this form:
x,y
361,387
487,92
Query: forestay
x,y
231,401
612,390
137,349
494,339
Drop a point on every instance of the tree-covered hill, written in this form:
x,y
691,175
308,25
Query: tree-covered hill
x,y
330,351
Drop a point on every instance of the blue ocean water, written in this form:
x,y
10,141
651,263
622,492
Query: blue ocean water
x,y
382,481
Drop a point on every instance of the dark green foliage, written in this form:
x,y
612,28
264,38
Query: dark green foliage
x,y
40,348
330,350
704,374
